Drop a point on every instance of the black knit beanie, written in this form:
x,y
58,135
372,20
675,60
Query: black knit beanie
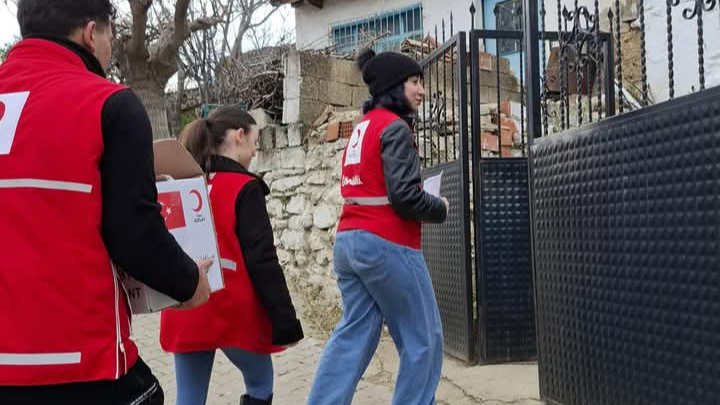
x,y
383,71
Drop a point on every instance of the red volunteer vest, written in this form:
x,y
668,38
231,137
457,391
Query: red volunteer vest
x,y
63,312
363,186
234,316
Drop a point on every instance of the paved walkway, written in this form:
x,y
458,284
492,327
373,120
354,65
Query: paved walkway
x,y
295,368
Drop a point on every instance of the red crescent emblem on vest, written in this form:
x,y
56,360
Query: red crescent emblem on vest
x,y
357,141
2,110
199,200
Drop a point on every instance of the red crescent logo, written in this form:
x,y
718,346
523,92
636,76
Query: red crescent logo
x,y
2,110
199,200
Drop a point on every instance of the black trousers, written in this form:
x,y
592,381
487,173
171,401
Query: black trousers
x,y
138,387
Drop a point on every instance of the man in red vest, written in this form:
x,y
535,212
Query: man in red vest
x,y
77,197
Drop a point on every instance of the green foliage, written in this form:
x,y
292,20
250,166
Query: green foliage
x,y
187,117
5,49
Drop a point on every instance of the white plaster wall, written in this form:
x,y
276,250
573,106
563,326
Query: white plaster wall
x,y
313,24
685,50
684,44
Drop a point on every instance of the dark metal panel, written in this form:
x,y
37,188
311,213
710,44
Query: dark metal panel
x,y
627,239
447,251
504,280
447,247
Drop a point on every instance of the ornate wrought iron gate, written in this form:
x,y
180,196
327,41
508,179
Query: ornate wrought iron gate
x,y
624,214
626,225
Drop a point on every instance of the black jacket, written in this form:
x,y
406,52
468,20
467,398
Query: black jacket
x,y
401,168
255,234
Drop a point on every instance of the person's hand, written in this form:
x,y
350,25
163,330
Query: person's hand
x,y
202,292
447,204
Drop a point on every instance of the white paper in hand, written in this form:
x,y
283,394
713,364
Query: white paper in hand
x,y
432,185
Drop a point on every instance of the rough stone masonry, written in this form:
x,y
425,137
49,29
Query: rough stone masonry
x,y
304,207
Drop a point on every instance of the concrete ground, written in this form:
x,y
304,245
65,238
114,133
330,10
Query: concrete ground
x,y
295,368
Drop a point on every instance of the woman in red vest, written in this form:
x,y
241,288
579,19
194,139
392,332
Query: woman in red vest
x,y
381,272
254,315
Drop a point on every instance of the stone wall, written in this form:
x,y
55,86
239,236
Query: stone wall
x,y
304,207
313,82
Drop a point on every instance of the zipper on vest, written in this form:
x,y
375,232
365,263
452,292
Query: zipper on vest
x,y
124,355
129,315
118,335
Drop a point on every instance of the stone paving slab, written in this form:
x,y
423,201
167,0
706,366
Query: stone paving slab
x,y
295,368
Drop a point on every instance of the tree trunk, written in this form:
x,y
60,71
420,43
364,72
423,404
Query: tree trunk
x,y
180,96
153,97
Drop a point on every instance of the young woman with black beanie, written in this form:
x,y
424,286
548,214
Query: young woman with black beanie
x,y
380,268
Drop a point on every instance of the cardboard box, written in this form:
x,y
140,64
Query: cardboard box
x,y
186,209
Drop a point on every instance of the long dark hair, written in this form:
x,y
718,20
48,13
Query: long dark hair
x,y
393,100
203,136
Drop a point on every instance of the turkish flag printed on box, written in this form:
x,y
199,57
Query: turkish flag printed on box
x,y
172,209
183,198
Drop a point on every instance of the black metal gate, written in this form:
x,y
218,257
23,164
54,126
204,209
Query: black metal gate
x,y
480,258
506,316
442,137
506,322
624,212
626,224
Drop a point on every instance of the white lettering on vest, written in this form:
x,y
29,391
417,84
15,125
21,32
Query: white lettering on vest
x,y
354,150
355,181
11,107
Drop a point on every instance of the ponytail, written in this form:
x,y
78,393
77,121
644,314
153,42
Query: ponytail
x,y
202,137
196,137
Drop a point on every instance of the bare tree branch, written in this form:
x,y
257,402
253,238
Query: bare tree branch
x,y
179,30
248,9
139,10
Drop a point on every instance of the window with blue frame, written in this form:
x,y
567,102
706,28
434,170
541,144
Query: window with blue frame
x,y
385,31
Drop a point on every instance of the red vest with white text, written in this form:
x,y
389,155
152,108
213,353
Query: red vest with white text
x,y
234,316
63,312
363,185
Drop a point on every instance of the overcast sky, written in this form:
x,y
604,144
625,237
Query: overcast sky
x,y
8,25
284,18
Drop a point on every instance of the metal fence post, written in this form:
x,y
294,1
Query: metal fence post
x,y
533,98
532,74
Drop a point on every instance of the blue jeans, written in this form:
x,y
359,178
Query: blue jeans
x,y
193,370
381,280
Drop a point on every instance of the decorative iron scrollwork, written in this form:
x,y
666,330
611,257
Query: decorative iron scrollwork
x,y
696,12
581,43
700,5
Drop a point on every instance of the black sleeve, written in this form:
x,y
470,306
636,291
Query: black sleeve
x,y
401,168
255,234
132,227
